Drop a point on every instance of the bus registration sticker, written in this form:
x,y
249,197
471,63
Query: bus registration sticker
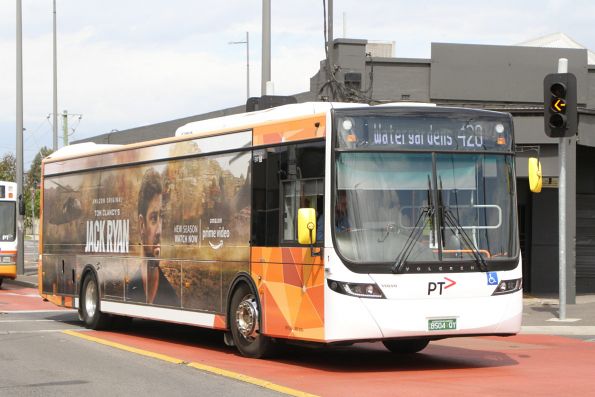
x,y
444,324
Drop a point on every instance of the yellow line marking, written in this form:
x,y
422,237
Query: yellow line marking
x,y
207,368
249,379
120,346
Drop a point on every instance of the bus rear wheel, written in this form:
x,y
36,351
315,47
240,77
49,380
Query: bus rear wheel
x,y
405,346
91,306
245,324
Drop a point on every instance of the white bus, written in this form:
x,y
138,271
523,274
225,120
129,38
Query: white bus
x,y
8,232
315,222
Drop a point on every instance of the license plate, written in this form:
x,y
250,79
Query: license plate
x,y
444,324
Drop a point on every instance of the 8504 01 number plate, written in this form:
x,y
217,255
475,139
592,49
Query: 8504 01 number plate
x,y
442,324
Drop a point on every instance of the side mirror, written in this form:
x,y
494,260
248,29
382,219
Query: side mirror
x,y
307,226
535,180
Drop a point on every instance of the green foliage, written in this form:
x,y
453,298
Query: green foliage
x,y
32,184
8,167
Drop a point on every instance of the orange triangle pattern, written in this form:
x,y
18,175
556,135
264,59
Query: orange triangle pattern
x,y
291,286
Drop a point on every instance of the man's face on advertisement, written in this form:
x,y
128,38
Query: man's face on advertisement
x,y
151,228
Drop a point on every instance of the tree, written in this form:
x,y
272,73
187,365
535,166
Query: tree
x,y
8,167
34,175
33,183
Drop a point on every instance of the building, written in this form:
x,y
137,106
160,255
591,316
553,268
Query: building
x,y
505,78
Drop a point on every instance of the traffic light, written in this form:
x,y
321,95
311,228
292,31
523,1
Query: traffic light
x,y
559,100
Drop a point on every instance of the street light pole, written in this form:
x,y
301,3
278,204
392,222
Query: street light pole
x,y
55,79
19,154
247,42
266,47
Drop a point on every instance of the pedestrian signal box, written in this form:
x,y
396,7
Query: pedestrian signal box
x,y
559,101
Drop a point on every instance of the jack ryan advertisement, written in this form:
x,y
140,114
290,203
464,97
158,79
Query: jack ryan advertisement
x,y
170,233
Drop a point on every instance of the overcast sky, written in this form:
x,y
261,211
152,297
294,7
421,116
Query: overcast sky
x,y
127,63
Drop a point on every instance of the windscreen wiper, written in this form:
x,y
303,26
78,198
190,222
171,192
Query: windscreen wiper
x,y
447,218
425,215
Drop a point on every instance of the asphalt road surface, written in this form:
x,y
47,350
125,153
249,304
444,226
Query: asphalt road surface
x,y
38,359
45,351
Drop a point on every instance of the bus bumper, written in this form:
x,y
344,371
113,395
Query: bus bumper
x,y
8,270
489,315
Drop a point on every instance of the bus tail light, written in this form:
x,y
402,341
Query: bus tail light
x,y
361,290
508,286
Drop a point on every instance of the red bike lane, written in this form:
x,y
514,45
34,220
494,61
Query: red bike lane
x,y
534,365
14,298
531,365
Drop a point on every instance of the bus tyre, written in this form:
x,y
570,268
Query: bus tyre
x,y
245,324
1,279
90,305
405,346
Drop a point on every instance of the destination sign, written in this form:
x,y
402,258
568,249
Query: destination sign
x,y
423,132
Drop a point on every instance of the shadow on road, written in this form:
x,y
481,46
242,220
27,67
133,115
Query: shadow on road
x,y
358,358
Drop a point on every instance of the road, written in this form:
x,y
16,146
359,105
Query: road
x,y
38,358
45,351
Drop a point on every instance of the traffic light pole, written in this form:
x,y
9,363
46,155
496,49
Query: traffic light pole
x,y
562,152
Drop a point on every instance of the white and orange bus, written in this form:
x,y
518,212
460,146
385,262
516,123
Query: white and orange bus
x,y
8,232
314,222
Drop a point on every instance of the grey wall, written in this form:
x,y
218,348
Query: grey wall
x,y
591,87
500,73
398,79
544,242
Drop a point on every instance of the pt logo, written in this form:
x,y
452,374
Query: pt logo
x,y
440,286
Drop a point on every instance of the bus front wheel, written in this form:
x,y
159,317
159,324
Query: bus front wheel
x,y
245,314
91,306
406,346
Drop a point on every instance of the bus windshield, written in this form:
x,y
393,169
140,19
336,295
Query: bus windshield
x,y
402,208
7,221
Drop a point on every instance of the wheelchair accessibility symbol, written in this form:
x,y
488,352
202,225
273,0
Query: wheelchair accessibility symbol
x,y
492,278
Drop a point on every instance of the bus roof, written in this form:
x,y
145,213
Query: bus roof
x,y
276,113
80,149
261,116
224,123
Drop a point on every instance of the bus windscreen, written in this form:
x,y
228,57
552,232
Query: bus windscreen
x,y
7,221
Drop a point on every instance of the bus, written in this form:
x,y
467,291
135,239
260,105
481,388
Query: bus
x,y
8,230
313,223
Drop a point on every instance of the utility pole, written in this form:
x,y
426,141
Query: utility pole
x,y
19,154
266,46
330,34
55,79
65,128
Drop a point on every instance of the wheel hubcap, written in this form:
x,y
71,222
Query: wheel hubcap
x,y
90,303
247,318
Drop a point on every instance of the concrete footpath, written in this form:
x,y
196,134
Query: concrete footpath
x,y
540,314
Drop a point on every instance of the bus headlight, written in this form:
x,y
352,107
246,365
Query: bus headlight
x,y
7,259
508,286
361,290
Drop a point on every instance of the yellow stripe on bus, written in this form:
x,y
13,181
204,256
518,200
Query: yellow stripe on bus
x,y
206,368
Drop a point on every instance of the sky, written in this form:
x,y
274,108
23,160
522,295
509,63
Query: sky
x,y
128,63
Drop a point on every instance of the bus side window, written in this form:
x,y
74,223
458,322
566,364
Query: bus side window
x,y
269,166
304,187
283,179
